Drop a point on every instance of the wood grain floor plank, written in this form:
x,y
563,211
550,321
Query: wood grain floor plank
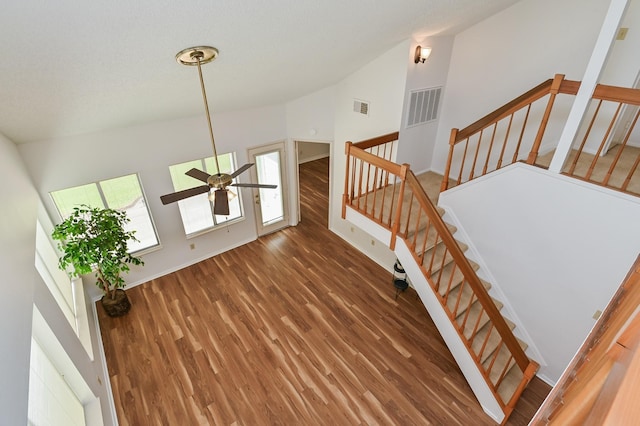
x,y
294,328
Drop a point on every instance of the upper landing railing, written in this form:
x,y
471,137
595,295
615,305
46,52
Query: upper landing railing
x,y
603,153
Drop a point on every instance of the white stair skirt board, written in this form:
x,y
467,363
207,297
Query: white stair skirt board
x,y
449,334
468,367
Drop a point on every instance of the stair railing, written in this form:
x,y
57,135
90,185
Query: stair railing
x,y
621,161
506,136
414,218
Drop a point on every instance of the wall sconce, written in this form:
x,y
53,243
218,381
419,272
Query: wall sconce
x,y
422,53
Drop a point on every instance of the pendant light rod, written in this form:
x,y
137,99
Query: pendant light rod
x,y
198,56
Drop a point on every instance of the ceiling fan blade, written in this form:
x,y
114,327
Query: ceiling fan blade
x,y
241,169
198,174
254,185
181,195
221,203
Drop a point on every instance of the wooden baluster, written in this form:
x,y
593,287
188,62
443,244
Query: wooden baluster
x,y
443,261
504,143
359,189
375,193
625,184
504,372
467,312
424,246
584,140
345,196
614,163
464,158
456,307
476,326
602,143
493,136
516,153
475,157
409,212
415,231
486,341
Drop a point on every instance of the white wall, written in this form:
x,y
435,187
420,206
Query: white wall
x,y
149,150
511,52
416,143
312,117
558,249
22,287
381,83
17,254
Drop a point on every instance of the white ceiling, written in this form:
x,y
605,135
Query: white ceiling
x,y
72,66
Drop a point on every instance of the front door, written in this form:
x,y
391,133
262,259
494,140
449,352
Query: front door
x,y
272,212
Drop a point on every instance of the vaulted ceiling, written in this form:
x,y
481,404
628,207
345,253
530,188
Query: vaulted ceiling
x,y
71,67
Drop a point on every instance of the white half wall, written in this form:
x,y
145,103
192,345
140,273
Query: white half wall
x,y
558,249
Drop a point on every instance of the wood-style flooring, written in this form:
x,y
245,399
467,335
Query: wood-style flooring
x,y
296,328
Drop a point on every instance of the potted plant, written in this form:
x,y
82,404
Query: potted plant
x,y
95,239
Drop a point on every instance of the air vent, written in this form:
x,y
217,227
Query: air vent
x,y
361,107
423,106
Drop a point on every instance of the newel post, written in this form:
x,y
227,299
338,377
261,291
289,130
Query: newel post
x,y
404,169
345,195
447,167
553,91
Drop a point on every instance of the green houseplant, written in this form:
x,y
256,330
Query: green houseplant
x,y
94,239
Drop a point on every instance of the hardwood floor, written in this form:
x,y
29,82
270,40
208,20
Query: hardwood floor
x,y
295,328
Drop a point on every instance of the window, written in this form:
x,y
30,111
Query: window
x,y
197,212
51,399
122,193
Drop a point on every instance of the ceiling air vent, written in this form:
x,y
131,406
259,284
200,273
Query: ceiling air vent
x,y
423,106
361,107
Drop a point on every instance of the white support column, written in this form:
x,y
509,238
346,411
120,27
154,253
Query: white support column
x,y
596,63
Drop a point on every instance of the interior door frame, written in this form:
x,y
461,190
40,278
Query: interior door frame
x,y
297,156
622,124
279,146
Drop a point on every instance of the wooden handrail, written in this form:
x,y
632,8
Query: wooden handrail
x,y
379,140
509,108
617,94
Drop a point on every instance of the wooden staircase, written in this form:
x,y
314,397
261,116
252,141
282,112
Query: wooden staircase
x,y
393,201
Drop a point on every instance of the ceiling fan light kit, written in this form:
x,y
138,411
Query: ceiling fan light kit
x,y
217,182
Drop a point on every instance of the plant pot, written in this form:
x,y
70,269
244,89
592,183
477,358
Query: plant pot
x,y
118,306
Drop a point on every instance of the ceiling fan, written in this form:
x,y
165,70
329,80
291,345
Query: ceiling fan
x,y
216,184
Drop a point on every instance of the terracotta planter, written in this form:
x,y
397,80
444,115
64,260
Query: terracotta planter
x,y
118,306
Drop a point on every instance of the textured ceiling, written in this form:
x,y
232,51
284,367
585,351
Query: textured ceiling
x,y
72,66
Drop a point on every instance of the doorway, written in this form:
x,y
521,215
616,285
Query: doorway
x,y
313,164
272,208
